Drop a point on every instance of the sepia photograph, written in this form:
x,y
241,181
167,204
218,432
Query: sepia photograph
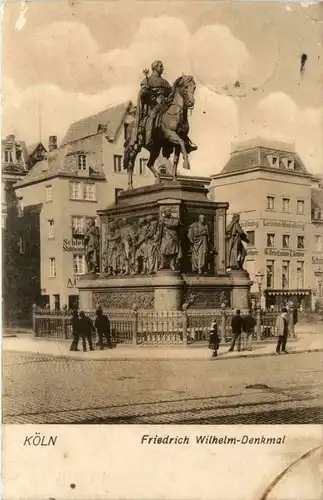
x,y
162,215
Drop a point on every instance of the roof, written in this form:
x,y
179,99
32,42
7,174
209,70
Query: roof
x,y
108,120
256,154
317,198
32,148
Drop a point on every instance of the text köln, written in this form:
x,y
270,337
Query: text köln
x,y
38,440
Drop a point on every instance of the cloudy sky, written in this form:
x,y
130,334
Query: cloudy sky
x,y
65,60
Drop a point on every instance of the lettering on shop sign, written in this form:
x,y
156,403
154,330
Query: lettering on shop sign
x,y
73,245
317,260
250,223
283,223
252,252
283,253
72,282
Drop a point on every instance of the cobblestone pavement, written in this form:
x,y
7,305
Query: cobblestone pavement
x,y
271,390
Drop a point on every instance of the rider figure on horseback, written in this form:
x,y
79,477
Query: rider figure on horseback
x,y
153,94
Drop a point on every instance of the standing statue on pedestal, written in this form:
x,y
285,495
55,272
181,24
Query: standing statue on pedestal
x,y
235,235
92,247
111,254
170,245
161,122
151,247
199,238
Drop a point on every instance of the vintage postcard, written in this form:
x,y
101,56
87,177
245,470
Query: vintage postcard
x,y
162,236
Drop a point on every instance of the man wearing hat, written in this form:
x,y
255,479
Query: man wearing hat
x,y
102,325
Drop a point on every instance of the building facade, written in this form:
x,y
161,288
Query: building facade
x,y
269,186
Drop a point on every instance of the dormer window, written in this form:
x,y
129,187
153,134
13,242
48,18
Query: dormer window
x,y
274,161
290,164
8,156
82,163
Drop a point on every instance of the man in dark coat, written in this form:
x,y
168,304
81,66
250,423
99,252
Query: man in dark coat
x,y
249,324
237,325
75,331
86,328
102,325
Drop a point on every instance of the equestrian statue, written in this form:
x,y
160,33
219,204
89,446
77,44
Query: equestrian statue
x,y
160,122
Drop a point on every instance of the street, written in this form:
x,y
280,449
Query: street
x,y
285,389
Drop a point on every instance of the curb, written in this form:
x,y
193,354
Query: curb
x,y
221,357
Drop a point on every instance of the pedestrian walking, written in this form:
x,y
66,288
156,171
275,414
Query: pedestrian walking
x,y
237,326
86,328
214,340
249,327
282,331
75,320
102,325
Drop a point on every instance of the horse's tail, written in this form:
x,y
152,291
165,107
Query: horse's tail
x,y
128,150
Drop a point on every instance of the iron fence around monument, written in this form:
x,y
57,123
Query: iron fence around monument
x,y
154,327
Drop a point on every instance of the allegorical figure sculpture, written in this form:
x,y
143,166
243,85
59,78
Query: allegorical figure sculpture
x,y
160,121
92,247
199,238
170,246
236,252
151,247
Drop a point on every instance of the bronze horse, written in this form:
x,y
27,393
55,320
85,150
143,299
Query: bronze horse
x,y
169,136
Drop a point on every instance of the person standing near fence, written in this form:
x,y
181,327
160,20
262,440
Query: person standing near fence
x,y
282,331
86,328
237,326
102,325
249,327
214,340
75,322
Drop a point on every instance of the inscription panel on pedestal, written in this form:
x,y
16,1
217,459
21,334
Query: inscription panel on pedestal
x,y
124,299
210,298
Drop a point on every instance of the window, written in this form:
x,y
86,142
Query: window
x,y
77,225
317,214
75,191
275,161
318,243
270,202
57,304
285,274
52,267
270,273
143,166
22,244
270,240
50,229
117,163
79,264
251,238
8,157
49,193
73,302
20,207
286,240
300,206
300,274
89,192
300,241
285,204
82,162
290,164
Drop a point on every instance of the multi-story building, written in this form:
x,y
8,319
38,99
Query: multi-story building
x,y
84,174
267,183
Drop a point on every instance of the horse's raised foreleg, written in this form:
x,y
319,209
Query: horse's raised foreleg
x,y
151,162
177,152
174,138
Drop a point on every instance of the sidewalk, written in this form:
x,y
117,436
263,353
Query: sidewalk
x,y
28,344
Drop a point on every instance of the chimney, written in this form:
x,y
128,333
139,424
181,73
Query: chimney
x,y
52,143
11,138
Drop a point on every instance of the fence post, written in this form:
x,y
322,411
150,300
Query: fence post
x,y
291,330
223,329
134,324
258,323
65,320
34,309
184,323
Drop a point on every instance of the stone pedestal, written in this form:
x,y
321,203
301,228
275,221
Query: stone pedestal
x,y
126,257
240,290
168,290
